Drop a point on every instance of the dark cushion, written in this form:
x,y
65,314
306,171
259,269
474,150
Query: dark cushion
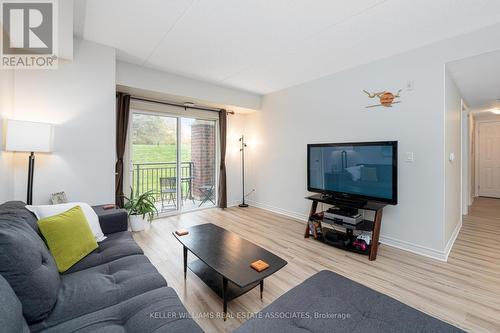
x,y
328,302
158,311
115,246
11,312
27,265
99,287
17,209
112,220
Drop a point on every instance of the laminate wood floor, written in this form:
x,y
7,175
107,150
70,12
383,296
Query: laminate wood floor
x,y
465,291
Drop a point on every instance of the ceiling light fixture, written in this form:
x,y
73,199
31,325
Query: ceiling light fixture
x,y
495,111
188,104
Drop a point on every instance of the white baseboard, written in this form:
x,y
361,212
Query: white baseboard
x,y
233,203
277,210
414,248
403,245
452,239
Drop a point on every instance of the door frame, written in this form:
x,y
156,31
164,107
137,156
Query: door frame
x,y
128,170
477,175
465,154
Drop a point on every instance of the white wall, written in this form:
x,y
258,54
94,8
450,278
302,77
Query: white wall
x,y
465,160
65,29
152,82
79,98
453,169
332,109
235,128
472,158
134,76
486,116
6,108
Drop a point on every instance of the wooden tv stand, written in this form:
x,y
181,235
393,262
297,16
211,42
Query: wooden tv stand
x,y
367,225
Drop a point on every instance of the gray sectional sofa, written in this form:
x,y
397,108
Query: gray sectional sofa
x,y
328,302
116,289
113,289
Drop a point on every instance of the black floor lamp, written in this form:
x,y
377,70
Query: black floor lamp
x,y
242,150
31,137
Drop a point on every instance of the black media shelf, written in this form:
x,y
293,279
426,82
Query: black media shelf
x,y
348,248
365,225
341,245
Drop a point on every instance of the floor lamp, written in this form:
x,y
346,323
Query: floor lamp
x,y
31,137
242,150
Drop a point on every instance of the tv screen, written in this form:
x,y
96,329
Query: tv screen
x,y
355,170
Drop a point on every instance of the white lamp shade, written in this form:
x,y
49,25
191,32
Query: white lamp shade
x,y
27,136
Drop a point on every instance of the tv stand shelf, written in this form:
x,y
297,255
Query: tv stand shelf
x,y
366,225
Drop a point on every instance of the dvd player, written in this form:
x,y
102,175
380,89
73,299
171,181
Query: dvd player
x,y
352,220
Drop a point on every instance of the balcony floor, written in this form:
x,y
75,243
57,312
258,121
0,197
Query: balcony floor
x,y
187,205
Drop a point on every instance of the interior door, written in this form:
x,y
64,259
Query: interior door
x,y
489,159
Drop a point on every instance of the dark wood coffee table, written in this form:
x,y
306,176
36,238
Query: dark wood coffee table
x,y
224,260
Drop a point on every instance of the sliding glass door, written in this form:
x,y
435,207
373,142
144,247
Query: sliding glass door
x,y
154,158
174,158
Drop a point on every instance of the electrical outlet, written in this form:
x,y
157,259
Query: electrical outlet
x,y
410,157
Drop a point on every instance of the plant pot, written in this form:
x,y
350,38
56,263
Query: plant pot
x,y
137,223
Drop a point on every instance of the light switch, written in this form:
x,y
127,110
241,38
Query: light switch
x,y
410,157
452,157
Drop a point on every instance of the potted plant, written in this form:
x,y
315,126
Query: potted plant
x,y
141,208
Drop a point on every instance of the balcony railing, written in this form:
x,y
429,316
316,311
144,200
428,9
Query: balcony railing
x,y
146,177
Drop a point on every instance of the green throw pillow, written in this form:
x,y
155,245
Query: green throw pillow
x,y
68,237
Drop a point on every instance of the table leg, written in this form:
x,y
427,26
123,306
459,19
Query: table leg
x,y
190,190
183,195
211,196
202,191
314,206
185,249
261,288
375,235
224,298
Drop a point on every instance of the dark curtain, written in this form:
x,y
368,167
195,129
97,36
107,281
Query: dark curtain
x,y
122,116
222,172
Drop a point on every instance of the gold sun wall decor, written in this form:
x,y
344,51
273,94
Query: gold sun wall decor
x,y
386,98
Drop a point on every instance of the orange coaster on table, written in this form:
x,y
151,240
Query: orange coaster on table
x,y
259,265
182,232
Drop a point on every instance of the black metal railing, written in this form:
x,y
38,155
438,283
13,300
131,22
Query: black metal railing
x,y
146,177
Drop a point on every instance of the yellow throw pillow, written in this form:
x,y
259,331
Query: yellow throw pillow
x,y
68,236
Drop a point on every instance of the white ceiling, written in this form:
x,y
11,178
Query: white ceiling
x,y
478,79
267,45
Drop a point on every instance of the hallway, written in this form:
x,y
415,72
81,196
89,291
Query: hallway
x,y
486,208
476,257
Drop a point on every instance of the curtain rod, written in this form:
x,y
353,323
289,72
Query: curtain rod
x,y
179,105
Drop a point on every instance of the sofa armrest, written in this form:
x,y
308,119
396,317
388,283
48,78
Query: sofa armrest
x,y
112,220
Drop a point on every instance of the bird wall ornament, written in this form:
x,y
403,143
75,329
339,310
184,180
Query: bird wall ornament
x,y
386,98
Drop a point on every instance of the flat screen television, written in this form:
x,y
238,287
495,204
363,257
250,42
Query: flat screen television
x,y
354,171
